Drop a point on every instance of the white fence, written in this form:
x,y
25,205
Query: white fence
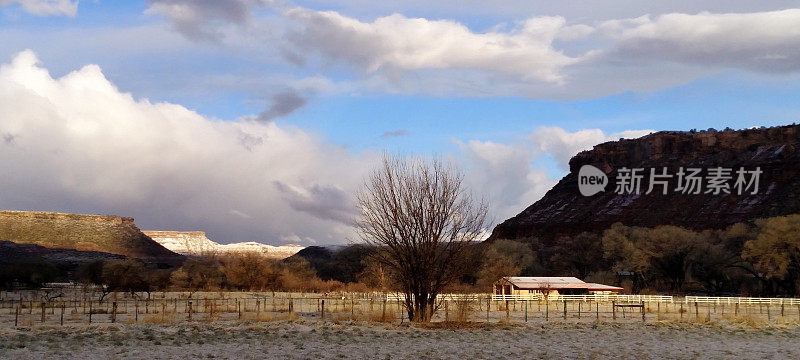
x,y
619,298
741,300
454,297
392,297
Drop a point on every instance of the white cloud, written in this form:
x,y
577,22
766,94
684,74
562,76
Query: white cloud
x,y
546,50
505,175
544,56
397,42
46,7
500,10
79,144
562,145
762,41
514,176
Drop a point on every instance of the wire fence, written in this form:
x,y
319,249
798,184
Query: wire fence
x,y
23,309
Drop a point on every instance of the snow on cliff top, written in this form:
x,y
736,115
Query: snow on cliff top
x,y
197,243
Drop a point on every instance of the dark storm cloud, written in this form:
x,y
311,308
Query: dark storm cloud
x,y
283,103
202,19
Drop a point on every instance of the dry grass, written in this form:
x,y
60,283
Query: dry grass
x,y
740,321
163,318
257,317
461,325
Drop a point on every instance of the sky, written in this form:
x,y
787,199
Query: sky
x,y
257,120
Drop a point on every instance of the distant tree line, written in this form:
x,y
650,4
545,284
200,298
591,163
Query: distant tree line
x,y
759,258
233,271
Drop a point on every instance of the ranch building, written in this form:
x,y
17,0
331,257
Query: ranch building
x,y
524,286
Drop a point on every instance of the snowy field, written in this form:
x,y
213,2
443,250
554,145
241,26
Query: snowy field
x,y
301,339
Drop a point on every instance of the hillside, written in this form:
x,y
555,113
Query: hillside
x,y
101,233
197,243
67,258
340,263
565,211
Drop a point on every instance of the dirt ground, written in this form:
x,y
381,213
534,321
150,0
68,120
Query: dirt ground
x,y
349,340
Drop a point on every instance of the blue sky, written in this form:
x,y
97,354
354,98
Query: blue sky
x,y
504,88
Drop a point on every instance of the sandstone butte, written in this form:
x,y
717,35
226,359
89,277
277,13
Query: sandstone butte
x,y
563,211
103,233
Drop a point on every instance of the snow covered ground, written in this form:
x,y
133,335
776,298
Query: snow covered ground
x,y
348,340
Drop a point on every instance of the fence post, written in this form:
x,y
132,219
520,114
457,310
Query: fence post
x,y
383,314
507,311
43,306
565,309
400,312
16,314
136,310
597,310
489,304
446,311
614,310
643,320
526,310
90,311
114,312
546,309
736,309
769,317
352,307
62,313
579,309
322,313
190,311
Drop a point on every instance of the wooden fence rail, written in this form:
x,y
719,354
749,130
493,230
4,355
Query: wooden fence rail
x,y
741,300
586,298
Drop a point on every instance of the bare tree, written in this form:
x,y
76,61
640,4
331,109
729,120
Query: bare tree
x,y
422,218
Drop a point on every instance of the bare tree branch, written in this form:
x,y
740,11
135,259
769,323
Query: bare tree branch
x,y
422,219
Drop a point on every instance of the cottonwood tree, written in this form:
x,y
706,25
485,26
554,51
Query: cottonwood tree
x,y
251,271
503,258
775,252
421,217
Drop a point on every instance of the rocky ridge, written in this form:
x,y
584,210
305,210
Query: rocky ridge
x,y
563,211
98,233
